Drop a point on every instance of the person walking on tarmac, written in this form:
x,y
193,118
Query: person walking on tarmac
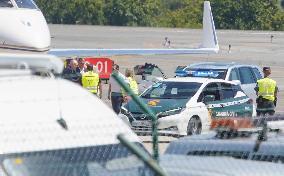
x,y
115,91
91,81
132,83
266,91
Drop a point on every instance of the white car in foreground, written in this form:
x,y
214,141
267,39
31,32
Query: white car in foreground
x,y
185,106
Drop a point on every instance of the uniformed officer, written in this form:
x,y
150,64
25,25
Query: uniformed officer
x,y
91,81
72,72
266,91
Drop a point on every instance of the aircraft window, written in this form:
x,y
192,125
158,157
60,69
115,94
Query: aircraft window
x,y
6,3
28,4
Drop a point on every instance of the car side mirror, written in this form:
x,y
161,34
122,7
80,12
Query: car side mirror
x,y
208,98
237,82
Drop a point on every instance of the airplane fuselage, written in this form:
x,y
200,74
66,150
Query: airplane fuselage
x,y
23,26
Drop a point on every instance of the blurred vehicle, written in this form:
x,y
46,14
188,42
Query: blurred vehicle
x,y
245,75
186,106
261,144
178,165
147,75
53,127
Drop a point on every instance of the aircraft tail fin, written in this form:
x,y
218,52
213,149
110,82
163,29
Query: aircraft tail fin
x,y
209,37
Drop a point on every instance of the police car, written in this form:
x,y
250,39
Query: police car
x,y
245,75
185,106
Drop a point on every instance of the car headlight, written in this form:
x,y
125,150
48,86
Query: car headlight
x,y
124,111
170,112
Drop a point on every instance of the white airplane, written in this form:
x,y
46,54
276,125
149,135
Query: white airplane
x,y
23,27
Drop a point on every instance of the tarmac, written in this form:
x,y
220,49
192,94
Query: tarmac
x,y
247,47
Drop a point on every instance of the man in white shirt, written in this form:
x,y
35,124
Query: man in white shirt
x,y
114,91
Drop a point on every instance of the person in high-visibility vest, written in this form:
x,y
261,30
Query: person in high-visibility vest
x,y
129,74
91,81
266,91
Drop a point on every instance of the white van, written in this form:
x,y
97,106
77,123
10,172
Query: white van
x,y
51,126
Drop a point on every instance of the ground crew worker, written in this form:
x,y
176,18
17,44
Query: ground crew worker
x,y
266,91
132,83
91,81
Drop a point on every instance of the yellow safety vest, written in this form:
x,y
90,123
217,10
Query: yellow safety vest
x,y
90,81
266,88
133,86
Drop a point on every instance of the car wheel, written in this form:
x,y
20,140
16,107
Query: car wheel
x,y
194,126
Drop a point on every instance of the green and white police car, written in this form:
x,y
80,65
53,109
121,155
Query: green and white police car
x,y
186,106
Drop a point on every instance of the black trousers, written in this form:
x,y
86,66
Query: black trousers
x,y
116,102
265,107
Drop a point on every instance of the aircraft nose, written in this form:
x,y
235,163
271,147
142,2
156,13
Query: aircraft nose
x,y
24,29
36,32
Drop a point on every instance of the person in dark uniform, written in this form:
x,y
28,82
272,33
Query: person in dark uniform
x,y
266,91
72,72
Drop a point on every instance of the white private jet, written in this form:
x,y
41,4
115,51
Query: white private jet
x,y
23,27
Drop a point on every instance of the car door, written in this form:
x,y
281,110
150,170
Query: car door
x,y
248,81
230,101
212,90
234,102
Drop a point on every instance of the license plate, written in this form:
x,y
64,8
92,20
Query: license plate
x,y
146,123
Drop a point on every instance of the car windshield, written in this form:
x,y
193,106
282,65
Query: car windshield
x,y
6,3
27,4
87,161
172,90
207,73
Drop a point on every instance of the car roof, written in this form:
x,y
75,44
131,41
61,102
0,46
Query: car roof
x,y
195,79
34,111
243,145
217,65
221,166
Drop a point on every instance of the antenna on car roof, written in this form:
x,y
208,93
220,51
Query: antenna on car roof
x,y
62,123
